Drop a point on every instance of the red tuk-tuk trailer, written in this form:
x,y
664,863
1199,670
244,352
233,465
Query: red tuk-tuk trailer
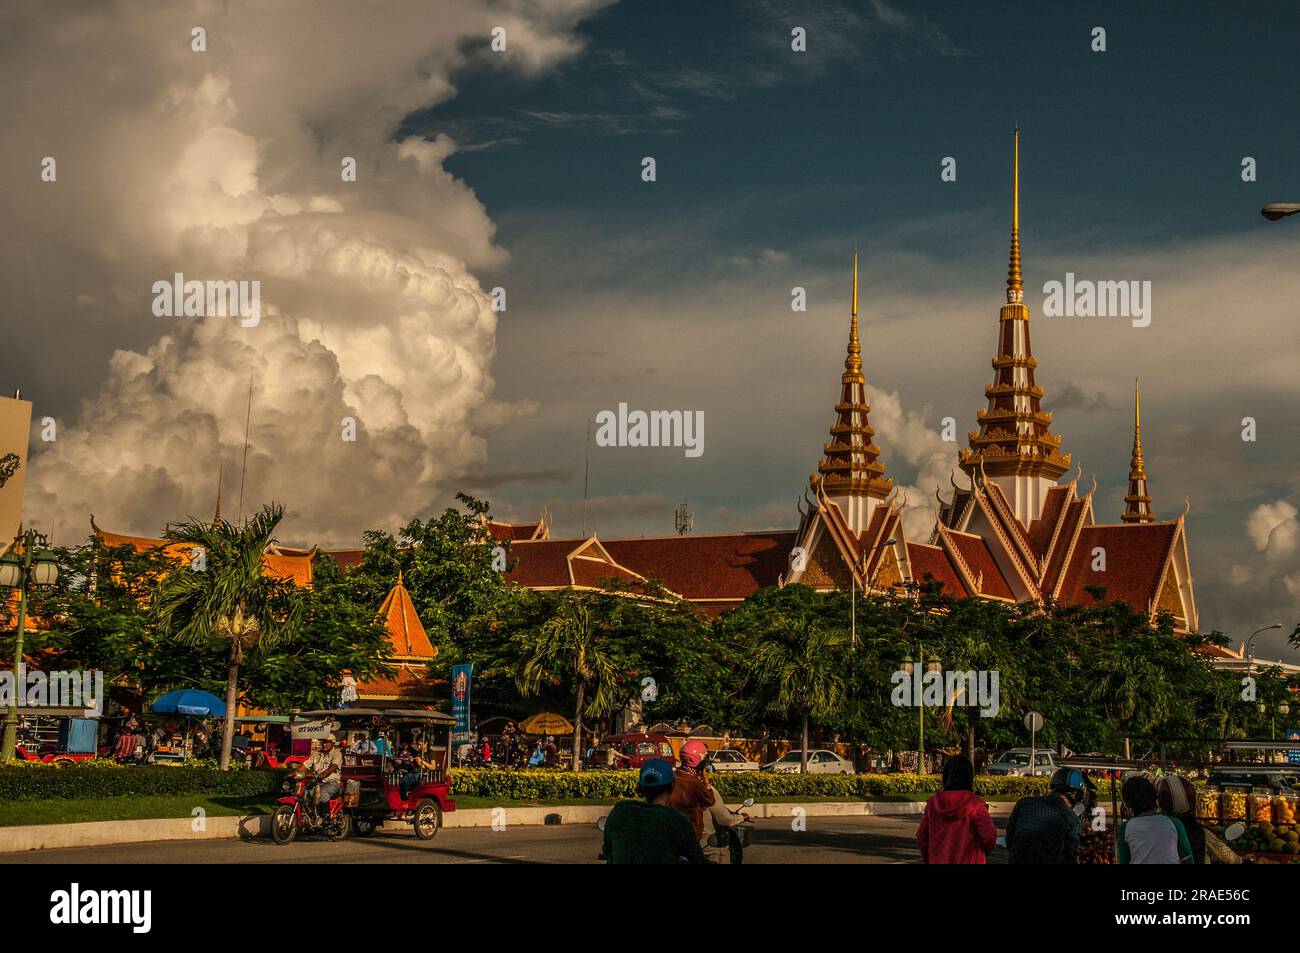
x,y
371,782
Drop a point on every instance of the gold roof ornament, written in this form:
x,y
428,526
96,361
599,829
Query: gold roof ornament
x,y
1014,435
851,461
1137,504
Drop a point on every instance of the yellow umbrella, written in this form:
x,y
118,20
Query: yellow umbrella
x,y
546,723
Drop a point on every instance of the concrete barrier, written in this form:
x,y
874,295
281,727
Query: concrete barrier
x,y
106,833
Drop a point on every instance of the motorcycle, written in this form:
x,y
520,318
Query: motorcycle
x,y
299,813
737,837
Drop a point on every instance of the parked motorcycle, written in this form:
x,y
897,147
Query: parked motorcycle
x,y
299,813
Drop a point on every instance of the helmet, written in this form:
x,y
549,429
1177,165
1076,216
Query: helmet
x,y
656,775
693,753
1071,782
1175,794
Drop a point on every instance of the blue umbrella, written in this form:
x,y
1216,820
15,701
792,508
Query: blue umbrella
x,y
190,701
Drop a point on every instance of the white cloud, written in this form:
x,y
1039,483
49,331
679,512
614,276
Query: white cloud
x,y
226,165
1273,528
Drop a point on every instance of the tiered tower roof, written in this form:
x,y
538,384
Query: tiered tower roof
x,y
1137,505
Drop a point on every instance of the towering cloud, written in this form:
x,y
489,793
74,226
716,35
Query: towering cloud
x,y
226,164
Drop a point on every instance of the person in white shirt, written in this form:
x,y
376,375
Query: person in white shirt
x,y
326,763
364,745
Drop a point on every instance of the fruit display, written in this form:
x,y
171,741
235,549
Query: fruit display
x,y
1097,847
1207,805
1269,838
1261,808
1233,806
1284,809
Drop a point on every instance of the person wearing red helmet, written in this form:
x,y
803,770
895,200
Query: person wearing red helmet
x,y
692,793
1177,798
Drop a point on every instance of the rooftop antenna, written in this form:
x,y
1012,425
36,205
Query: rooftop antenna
x,y
586,480
248,417
685,520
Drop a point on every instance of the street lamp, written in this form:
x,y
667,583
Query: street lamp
x,y
35,566
1250,646
1279,210
909,667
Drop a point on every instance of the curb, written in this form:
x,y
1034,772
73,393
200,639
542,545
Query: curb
x,y
109,833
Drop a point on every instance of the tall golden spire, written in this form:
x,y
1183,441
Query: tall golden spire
x,y
852,460
221,472
1015,286
1014,437
1137,505
853,360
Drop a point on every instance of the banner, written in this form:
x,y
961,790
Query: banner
x,y
462,677
314,729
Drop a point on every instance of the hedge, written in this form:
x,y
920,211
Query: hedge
x,y
553,785
97,779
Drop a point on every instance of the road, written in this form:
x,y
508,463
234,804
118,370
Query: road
x,y
827,840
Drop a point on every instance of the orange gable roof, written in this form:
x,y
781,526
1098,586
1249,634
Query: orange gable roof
x,y
405,631
1136,554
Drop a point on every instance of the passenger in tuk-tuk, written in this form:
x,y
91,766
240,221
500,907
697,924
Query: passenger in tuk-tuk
x,y
364,745
408,770
382,746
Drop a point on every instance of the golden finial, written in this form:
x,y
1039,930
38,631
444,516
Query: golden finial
x,y
1138,464
853,362
399,576
1015,289
216,516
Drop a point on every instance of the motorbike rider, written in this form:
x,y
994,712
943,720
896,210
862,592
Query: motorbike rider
x,y
649,831
1045,830
326,764
692,793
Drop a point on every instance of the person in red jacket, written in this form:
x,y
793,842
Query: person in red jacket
x,y
956,827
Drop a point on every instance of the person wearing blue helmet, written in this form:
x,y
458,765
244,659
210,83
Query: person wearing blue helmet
x,y
1045,830
649,831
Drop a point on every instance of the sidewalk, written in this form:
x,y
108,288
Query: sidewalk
x,y
105,833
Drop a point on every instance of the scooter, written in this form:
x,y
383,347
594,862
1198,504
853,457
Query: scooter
x,y
296,814
738,836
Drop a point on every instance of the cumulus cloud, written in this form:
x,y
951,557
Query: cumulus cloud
x,y
1273,528
921,447
226,165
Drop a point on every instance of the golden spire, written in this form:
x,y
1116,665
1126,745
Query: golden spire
x,y
1137,505
216,516
853,360
1015,289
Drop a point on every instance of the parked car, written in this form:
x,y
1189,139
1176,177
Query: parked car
x,y
1014,762
820,761
631,750
729,759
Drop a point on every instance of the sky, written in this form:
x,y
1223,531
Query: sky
x,y
521,169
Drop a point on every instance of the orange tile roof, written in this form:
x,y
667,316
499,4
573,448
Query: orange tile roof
x,y
1136,554
405,631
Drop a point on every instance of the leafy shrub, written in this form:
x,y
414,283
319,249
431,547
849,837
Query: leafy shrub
x,y
554,785
21,781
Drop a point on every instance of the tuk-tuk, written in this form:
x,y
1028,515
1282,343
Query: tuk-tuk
x,y
371,782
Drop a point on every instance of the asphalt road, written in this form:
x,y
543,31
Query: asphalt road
x,y
827,840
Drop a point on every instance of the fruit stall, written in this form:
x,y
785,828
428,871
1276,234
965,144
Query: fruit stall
x,y
1261,796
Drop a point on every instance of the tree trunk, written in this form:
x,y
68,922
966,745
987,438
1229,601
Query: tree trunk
x,y
577,729
803,755
970,736
1128,749
232,690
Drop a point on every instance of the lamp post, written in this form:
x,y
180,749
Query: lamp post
x,y
36,566
1282,709
922,666
1250,646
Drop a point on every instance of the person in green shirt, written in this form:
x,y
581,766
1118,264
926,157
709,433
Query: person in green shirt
x,y
649,831
1148,837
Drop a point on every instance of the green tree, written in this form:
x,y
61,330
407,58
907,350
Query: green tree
x,y
796,657
570,646
229,600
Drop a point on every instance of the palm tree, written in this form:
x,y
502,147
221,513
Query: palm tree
x,y
228,597
569,645
796,660
1134,690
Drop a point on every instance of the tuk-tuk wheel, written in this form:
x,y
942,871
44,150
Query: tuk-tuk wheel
x,y
428,818
364,826
284,824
